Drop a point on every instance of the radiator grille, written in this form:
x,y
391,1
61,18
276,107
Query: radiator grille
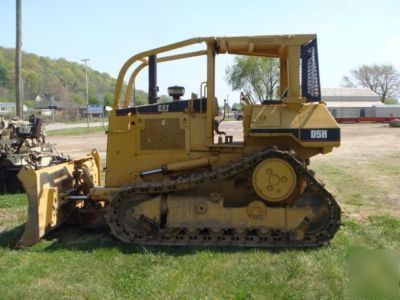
x,y
162,134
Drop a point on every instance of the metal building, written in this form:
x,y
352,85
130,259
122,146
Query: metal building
x,y
358,105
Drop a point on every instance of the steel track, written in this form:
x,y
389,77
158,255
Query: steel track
x,y
151,233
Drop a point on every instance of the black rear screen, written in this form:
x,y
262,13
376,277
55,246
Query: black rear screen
x,y
310,83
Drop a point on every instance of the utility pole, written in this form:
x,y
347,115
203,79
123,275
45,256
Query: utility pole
x,y
87,91
18,79
102,112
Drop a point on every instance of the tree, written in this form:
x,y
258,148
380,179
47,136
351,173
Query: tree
x,y
164,99
237,106
4,77
391,100
79,99
93,99
140,99
382,79
257,76
57,79
108,100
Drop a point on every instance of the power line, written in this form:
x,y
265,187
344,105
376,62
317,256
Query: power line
x,y
39,16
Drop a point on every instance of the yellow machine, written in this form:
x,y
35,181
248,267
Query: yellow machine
x,y
173,178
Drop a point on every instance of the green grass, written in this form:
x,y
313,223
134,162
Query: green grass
x,y
74,263
77,131
13,201
366,188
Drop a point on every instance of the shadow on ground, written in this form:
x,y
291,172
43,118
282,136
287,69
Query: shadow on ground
x,y
73,238
9,238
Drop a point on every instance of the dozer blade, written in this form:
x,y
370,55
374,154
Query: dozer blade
x,y
47,191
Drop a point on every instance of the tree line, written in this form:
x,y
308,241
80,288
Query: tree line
x,y
56,79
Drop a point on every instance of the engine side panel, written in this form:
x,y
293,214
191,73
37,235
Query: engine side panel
x,y
155,135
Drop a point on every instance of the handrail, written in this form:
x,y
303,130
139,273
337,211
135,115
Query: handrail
x,y
131,83
133,59
293,42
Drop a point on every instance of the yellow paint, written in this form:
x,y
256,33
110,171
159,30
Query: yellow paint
x,y
185,140
274,180
46,188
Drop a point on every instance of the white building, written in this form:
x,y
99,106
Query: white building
x,y
9,108
357,105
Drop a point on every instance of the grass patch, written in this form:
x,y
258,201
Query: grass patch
x,y
77,131
370,187
13,201
13,210
74,263
71,263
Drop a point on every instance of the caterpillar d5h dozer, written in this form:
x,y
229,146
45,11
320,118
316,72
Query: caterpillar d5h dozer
x,y
173,178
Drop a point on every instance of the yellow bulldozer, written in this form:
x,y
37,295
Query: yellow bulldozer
x,y
172,177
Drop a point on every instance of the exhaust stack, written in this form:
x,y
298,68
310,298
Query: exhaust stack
x,y
153,88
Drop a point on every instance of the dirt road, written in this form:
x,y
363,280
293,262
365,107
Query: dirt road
x,y
56,126
358,140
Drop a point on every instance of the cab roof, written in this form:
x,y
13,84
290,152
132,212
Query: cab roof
x,y
262,45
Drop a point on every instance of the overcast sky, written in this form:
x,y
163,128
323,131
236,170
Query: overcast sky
x,y
350,33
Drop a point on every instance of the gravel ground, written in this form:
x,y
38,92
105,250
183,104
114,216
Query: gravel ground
x,y
358,140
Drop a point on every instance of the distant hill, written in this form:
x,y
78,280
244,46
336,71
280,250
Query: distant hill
x,y
59,79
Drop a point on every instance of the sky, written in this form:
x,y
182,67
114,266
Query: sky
x,y
350,33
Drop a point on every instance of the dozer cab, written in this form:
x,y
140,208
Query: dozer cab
x,y
173,178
